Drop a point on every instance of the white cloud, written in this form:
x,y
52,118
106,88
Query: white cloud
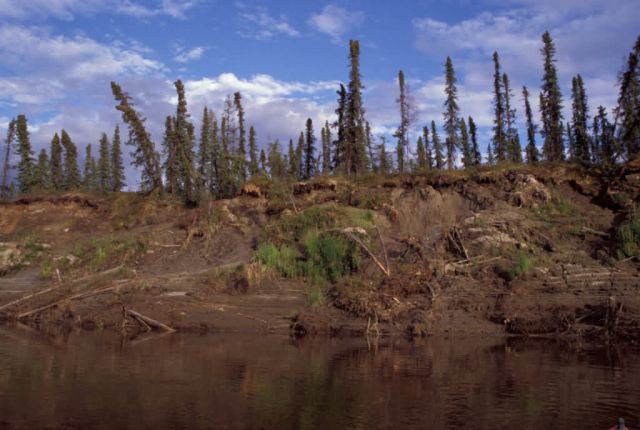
x,y
68,9
184,56
258,24
336,21
78,58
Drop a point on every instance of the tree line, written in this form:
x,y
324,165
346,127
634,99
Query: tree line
x,y
226,154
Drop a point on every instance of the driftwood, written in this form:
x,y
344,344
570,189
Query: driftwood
x,y
74,281
66,299
145,321
349,232
456,240
594,232
29,297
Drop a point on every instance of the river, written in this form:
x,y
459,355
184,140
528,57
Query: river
x,y
100,381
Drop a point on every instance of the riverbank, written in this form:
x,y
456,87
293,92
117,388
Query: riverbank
x,y
525,251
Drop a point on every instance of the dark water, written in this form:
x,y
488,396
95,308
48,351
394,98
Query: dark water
x,y
95,381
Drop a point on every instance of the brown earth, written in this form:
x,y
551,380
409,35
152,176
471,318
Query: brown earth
x,y
519,251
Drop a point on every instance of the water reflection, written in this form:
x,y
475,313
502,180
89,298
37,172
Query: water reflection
x,y
246,382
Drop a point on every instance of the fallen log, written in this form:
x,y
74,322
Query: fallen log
x,y
150,322
66,299
29,297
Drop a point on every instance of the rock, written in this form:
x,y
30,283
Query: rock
x,y
529,192
251,190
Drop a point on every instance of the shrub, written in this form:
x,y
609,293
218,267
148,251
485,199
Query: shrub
x,y
629,236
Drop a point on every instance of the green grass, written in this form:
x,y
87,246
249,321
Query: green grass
x,y
629,236
521,266
99,253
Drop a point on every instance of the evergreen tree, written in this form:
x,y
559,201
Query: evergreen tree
x,y
26,165
170,151
427,148
551,104
72,179
204,150
355,156
263,162
326,148
242,152
499,130
292,158
628,109
533,156
90,175
104,165
580,117
384,164
215,158
402,134
309,150
514,149
476,157
254,169
276,162
370,143
117,167
421,155
437,146
489,157
451,113
604,139
338,161
11,134
300,156
145,155
570,141
184,137
467,158
43,171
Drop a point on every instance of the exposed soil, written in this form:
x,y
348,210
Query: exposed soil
x,y
527,251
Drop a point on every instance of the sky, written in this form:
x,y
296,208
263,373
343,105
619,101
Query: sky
x,y
287,58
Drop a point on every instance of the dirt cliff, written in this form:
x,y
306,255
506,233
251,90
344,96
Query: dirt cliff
x,y
529,251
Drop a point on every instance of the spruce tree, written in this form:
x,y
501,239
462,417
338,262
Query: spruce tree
x,y
338,161
104,165
533,156
489,157
90,176
26,165
300,156
214,158
384,164
183,135
6,165
605,142
427,148
628,109
292,159
551,104
475,150
275,161
309,150
242,152
421,155
326,148
145,154
355,157
204,150
72,179
402,133
514,149
371,157
43,171
437,146
451,113
170,151
499,129
467,158
263,162
580,116
254,169
117,167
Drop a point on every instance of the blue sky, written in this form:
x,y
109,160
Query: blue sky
x,y
287,57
